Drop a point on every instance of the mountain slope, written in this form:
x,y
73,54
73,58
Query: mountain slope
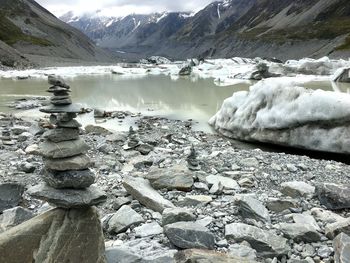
x,y
37,34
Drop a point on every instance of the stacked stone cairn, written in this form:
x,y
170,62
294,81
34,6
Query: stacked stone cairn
x,y
66,166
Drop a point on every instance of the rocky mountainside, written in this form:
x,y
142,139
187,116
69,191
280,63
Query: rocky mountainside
x,y
284,29
29,34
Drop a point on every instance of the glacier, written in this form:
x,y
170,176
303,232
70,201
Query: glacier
x,y
281,111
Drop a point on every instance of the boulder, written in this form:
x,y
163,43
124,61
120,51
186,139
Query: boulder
x,y
300,232
69,179
173,215
334,196
60,236
252,208
10,195
62,149
189,235
208,256
142,191
296,189
123,219
68,198
61,134
78,162
266,243
341,246
57,81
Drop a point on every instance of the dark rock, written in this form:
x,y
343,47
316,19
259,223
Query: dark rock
x,y
59,91
207,256
57,81
68,124
343,76
142,191
185,71
61,102
123,219
267,244
189,235
173,215
334,196
62,149
13,217
144,148
253,208
61,134
341,246
98,130
68,198
78,162
26,167
72,108
10,195
279,205
58,235
69,179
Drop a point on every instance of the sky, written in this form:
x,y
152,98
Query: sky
x,y
121,7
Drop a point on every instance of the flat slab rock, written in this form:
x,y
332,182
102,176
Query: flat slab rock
x,y
72,108
253,208
189,235
68,198
78,162
69,179
10,195
62,149
142,191
123,219
334,196
61,235
267,244
62,134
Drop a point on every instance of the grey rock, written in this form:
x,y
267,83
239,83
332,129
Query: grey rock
x,y
334,229
62,149
279,205
334,196
120,201
341,246
59,102
69,179
171,178
185,71
325,216
57,81
123,219
142,190
78,162
300,232
297,189
13,217
149,229
72,108
144,148
243,251
208,256
27,167
324,251
226,182
249,162
253,208
68,198
173,215
189,235
61,134
267,244
10,195
307,219
55,237
194,200
98,130
71,124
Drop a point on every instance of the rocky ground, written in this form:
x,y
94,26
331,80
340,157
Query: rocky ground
x,y
173,193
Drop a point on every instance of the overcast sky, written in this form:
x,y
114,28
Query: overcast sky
x,y
121,7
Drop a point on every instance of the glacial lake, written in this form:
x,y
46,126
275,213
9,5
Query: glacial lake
x,y
183,99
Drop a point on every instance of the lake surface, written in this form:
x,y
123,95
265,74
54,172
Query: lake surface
x,y
183,99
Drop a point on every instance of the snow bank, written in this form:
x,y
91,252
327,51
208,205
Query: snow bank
x,y
283,112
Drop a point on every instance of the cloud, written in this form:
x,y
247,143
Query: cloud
x,y
122,7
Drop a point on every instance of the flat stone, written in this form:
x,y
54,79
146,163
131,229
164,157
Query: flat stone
x,y
72,108
10,195
68,124
123,219
61,134
59,97
142,191
98,130
177,177
278,205
58,235
341,246
267,244
173,215
297,189
300,232
325,216
68,198
61,102
78,162
13,217
334,229
252,208
208,256
195,200
189,235
58,90
69,179
150,229
57,81
144,148
334,196
62,149
307,219
226,182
